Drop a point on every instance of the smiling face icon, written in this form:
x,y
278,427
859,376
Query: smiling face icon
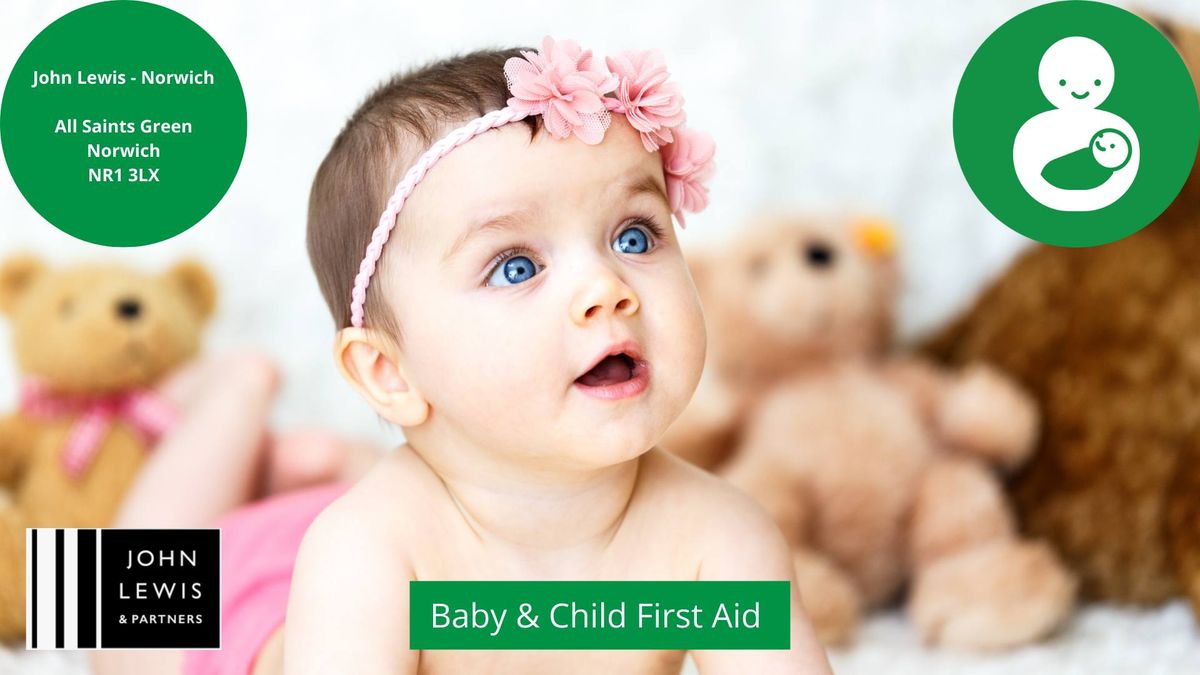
x,y
1076,73
1111,149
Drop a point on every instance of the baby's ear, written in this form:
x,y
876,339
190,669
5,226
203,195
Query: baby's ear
x,y
370,362
16,275
197,285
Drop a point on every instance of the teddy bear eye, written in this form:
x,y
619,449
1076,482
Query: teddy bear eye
x,y
818,254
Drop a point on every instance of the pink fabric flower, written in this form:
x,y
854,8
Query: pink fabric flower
x,y
560,83
652,105
688,163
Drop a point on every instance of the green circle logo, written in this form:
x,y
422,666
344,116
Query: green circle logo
x,y
123,123
1076,123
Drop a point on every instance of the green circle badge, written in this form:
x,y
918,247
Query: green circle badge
x,y
123,123
1076,123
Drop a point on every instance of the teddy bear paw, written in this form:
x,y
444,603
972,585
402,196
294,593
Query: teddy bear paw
x,y
998,595
830,598
988,415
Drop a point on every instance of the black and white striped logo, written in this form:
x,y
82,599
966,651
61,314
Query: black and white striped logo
x,y
61,596
122,589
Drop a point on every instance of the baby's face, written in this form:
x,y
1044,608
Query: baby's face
x,y
1110,148
527,264
1076,73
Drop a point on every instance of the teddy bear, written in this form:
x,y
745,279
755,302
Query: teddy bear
x,y
90,341
757,338
1108,341
880,469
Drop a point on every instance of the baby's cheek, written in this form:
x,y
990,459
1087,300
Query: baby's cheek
x,y
483,379
682,340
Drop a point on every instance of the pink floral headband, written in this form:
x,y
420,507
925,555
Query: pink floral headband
x,y
561,83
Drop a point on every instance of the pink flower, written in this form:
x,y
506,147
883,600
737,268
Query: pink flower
x,y
688,163
652,105
560,83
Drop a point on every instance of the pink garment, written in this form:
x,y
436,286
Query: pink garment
x,y
259,543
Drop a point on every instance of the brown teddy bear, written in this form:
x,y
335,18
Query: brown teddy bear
x,y
90,340
877,468
1108,340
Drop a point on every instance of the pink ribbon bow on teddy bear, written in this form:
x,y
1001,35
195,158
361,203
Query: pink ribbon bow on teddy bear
x,y
146,413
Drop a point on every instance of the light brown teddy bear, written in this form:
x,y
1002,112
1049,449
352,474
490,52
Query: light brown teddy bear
x,y
90,340
877,468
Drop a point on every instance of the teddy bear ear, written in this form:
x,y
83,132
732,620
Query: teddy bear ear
x,y
16,275
875,237
197,285
1185,39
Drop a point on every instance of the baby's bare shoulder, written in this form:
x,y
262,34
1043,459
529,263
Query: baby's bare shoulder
x,y
728,533
392,504
669,480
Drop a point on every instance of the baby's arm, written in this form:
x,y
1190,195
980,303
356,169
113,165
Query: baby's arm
x,y
746,545
348,610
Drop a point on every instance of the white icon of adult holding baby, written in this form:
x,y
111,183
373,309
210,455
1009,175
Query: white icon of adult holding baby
x,y
1076,75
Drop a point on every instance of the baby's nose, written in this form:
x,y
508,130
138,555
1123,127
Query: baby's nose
x,y
603,294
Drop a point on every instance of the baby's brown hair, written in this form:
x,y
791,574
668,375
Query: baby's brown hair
x,y
384,136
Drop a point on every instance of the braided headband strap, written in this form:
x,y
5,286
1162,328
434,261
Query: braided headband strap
x,y
575,97
387,221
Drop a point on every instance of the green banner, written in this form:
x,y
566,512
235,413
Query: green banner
x,y
599,615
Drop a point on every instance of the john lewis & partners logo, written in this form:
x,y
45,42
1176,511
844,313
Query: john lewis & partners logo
x,y
122,589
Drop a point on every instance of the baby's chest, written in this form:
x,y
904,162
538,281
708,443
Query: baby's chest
x,y
649,560
645,549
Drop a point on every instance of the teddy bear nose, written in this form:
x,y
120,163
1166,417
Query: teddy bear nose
x,y
129,309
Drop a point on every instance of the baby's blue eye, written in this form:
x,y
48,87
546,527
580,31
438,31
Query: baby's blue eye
x,y
513,271
632,240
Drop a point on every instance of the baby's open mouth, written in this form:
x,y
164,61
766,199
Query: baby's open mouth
x,y
1083,96
620,374
612,369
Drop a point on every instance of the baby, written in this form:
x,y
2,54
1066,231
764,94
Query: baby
x,y
1089,167
532,326
534,330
